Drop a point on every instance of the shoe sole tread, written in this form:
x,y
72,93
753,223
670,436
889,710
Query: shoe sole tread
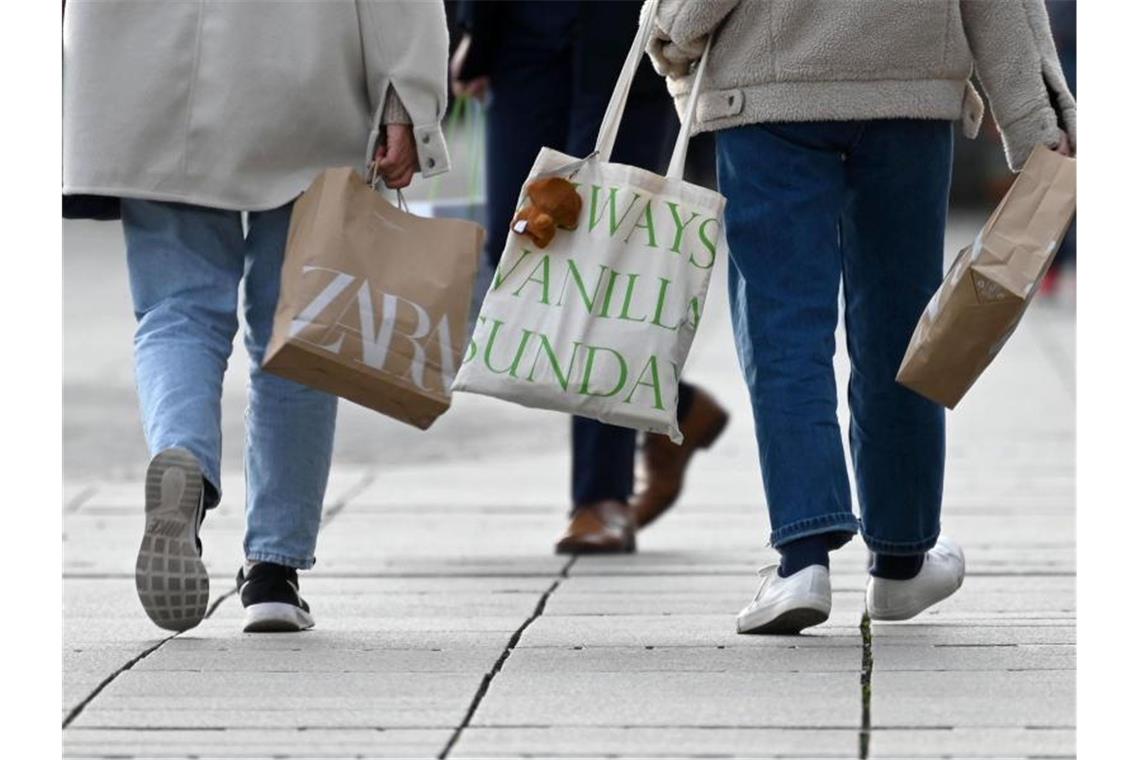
x,y
170,578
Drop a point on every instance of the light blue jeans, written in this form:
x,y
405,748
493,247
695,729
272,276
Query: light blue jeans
x,y
187,264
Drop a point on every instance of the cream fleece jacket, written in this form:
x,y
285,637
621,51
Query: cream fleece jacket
x,y
240,105
832,60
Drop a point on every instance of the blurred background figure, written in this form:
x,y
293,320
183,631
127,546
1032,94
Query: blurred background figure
x,y
546,71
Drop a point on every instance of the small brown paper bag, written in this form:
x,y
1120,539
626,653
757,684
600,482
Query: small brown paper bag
x,y
374,300
992,281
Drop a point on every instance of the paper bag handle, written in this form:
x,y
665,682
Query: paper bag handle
x,y
607,133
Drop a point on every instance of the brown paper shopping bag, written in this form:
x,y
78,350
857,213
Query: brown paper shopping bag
x,y
374,300
992,281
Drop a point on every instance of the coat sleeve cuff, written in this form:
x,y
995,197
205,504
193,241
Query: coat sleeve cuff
x,y
1038,127
431,149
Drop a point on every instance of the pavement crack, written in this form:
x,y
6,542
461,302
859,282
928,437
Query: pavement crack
x,y
80,499
75,711
335,508
489,676
78,709
865,683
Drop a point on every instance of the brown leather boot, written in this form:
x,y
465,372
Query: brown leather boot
x,y
604,527
665,462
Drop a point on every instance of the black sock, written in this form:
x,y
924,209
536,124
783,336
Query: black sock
x,y
802,552
896,567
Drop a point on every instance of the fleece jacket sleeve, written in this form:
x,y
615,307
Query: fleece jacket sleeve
x,y
680,31
1016,62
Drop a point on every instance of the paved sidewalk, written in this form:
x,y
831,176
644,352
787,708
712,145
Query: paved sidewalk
x,y
447,628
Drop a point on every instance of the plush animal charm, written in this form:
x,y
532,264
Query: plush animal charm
x,y
553,203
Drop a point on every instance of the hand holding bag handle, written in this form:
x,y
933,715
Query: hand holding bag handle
x,y
607,133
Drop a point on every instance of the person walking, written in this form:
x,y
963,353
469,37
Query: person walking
x,y
833,127
547,70
184,116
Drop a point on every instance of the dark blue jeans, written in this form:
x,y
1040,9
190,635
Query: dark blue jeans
x,y
550,84
811,206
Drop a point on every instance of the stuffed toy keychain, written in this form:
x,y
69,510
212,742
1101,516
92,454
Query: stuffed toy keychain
x,y
554,202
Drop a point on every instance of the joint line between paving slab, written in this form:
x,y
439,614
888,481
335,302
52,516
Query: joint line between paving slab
x,y
336,508
485,684
80,499
865,672
71,716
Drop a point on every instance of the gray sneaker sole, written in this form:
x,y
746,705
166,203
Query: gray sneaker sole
x,y
789,623
170,578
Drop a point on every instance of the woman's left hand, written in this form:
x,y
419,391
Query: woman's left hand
x,y
1065,146
396,158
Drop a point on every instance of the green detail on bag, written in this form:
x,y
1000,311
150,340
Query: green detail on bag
x,y
511,370
606,287
679,225
587,301
647,215
500,277
564,370
655,383
592,351
544,281
596,213
708,243
629,286
545,347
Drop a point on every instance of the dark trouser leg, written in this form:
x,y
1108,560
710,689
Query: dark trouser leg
x,y
893,238
785,189
602,463
602,467
529,108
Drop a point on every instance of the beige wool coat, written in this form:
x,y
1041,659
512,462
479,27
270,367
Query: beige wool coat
x,y
239,104
831,60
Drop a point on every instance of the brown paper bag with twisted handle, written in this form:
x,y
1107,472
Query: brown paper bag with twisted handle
x,y
374,300
990,284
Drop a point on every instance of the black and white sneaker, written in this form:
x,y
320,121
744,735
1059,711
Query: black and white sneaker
x,y
169,575
272,599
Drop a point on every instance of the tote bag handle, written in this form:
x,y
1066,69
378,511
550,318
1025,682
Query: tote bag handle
x,y
607,134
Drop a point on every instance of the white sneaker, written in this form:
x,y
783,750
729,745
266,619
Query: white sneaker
x,y
941,575
785,606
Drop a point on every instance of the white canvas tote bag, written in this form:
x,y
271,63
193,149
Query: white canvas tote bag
x,y
599,323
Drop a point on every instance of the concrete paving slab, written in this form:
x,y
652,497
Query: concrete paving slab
x,y
444,566
982,699
360,639
593,741
173,657
528,698
758,660
354,537
974,743
398,712
930,658
254,743
976,635
670,630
